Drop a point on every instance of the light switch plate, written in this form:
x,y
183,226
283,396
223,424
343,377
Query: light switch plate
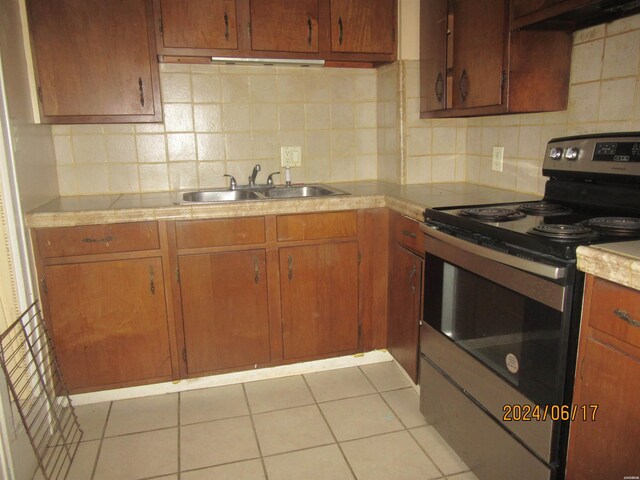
x,y
497,159
291,156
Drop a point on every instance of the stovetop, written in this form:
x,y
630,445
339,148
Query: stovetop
x,y
533,232
594,184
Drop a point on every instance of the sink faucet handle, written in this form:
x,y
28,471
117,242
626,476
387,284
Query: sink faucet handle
x,y
270,178
232,183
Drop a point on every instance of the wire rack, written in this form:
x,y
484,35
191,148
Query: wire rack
x,y
39,394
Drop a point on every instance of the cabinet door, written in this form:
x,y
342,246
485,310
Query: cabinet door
x,y
433,54
319,289
199,24
109,322
225,311
405,288
479,35
362,26
284,25
605,447
95,61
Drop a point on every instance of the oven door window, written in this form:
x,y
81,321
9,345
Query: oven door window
x,y
513,335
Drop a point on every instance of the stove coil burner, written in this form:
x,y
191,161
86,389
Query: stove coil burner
x,y
543,208
491,214
615,225
564,232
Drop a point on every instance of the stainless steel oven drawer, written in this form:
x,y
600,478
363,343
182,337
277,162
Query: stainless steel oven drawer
x,y
489,451
487,388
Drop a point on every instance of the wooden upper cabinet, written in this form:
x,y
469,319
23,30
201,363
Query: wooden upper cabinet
x,y
197,25
284,25
363,26
95,61
479,52
490,69
433,54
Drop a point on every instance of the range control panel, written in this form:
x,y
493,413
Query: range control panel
x,y
613,154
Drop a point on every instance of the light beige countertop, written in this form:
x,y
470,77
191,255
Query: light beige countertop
x,y
409,200
618,262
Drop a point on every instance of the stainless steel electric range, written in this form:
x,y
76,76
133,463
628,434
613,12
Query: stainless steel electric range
x,y
502,304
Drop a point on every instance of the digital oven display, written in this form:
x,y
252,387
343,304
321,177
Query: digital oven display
x,y
617,152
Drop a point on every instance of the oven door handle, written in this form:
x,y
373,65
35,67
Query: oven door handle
x,y
542,269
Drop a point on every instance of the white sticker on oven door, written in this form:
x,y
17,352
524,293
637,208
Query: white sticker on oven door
x,y
512,363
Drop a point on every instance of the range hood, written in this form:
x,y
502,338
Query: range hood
x,y
575,15
291,62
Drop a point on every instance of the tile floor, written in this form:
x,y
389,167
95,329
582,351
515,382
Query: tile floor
x,y
358,423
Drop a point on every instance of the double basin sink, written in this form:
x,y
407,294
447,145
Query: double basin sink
x,y
260,193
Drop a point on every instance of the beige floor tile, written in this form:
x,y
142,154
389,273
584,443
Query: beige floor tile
x,y
336,384
406,404
214,443
360,417
292,429
140,455
385,376
142,414
250,470
321,463
92,419
212,404
439,450
278,393
83,462
463,476
394,455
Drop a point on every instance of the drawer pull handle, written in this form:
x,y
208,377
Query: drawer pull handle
x,y
310,28
412,275
621,314
141,90
409,234
341,31
226,26
290,268
106,239
439,88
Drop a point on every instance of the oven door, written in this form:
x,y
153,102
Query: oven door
x,y
498,332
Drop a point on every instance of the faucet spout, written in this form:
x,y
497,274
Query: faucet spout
x,y
254,174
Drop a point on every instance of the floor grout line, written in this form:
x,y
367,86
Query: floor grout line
x,y
255,431
104,431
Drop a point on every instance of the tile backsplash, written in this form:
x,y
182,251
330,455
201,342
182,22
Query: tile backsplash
x,y
352,124
225,119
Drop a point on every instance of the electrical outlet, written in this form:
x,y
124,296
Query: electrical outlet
x,y
291,156
498,158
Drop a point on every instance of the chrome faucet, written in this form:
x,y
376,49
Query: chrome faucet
x,y
254,174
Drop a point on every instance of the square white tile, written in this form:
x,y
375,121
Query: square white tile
x,y
341,383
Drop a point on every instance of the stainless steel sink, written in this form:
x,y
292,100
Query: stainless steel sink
x,y
298,191
205,196
260,193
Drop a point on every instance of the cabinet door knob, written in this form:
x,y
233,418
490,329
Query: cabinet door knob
x,y
310,27
141,89
463,85
621,314
226,26
439,87
340,30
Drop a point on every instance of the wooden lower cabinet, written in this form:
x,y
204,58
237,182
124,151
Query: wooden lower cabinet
x,y
225,310
605,444
319,291
405,292
109,322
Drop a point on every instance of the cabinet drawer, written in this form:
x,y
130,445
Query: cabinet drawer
x,y
615,310
313,226
406,232
94,239
220,232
